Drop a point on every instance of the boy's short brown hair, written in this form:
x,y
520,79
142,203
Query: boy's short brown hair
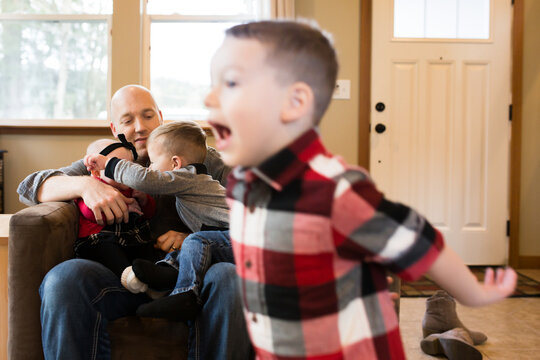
x,y
181,138
300,51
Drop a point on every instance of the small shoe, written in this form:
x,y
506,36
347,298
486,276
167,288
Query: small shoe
x,y
130,281
455,344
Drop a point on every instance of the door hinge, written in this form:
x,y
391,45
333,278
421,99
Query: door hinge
x,y
507,227
510,112
512,2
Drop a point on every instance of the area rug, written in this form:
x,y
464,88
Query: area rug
x,y
425,287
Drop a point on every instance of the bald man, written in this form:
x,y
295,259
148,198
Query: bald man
x,y
79,286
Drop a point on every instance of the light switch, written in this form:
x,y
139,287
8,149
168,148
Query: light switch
x,y
342,89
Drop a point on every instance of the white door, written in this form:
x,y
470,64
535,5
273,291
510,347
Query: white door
x,y
441,144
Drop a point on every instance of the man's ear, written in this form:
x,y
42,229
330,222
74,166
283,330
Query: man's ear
x,y
113,129
177,162
299,102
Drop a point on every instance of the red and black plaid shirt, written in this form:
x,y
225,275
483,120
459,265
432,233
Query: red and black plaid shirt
x,y
312,240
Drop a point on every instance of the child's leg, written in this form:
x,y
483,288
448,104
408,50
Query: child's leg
x,y
110,254
160,276
114,257
198,252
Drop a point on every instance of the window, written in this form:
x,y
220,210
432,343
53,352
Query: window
x,y
442,19
181,37
54,59
57,61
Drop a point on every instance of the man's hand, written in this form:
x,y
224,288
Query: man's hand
x,y
95,162
106,202
170,241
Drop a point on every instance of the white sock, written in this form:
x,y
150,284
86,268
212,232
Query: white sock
x,y
130,281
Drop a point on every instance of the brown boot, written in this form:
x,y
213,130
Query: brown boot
x,y
455,344
441,316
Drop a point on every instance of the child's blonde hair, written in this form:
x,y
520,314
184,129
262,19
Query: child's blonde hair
x,y
300,51
181,138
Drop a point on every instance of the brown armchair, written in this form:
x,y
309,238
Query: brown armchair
x,y
41,237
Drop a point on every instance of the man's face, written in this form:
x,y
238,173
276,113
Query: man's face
x,y
245,102
135,114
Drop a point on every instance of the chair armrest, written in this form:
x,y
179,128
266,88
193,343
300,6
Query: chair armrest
x,y
40,237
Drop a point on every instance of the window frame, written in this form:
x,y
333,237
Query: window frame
x,y
262,10
445,40
64,123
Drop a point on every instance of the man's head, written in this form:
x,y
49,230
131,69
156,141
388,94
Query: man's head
x,y
135,114
271,81
176,145
122,152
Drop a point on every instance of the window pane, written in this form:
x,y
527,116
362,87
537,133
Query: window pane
x,y
53,70
180,68
441,19
473,19
409,18
200,7
56,6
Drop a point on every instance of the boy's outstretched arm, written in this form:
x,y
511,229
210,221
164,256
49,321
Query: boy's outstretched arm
x,y
454,276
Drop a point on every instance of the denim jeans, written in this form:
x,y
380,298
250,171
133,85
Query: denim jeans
x,y
79,297
199,251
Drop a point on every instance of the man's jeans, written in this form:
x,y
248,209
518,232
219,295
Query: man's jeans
x,y
79,297
199,251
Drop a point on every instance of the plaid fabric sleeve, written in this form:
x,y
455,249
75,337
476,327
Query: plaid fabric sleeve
x,y
371,228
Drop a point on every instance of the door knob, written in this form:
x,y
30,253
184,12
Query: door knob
x,y
380,128
380,107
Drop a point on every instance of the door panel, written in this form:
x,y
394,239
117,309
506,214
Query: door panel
x,y
445,150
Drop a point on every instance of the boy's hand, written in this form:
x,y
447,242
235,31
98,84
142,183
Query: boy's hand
x,y
95,162
499,284
141,197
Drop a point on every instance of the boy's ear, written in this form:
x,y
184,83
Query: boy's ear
x,y
299,102
177,162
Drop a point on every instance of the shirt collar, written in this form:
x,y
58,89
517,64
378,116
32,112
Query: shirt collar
x,y
281,168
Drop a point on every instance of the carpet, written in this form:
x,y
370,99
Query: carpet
x,y
425,287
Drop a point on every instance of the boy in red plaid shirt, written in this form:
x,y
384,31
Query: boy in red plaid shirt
x,y
312,236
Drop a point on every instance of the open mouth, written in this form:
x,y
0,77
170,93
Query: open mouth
x,y
221,133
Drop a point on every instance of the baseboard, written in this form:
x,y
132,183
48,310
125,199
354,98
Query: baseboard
x,y
529,262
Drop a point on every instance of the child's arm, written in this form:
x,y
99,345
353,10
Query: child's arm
x,y
147,203
451,274
95,162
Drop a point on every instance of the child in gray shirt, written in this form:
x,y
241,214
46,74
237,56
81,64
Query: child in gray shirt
x,y
177,151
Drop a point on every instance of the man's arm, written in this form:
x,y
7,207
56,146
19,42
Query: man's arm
x,y
29,188
63,185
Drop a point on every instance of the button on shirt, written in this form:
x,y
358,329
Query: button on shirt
x,y
313,239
